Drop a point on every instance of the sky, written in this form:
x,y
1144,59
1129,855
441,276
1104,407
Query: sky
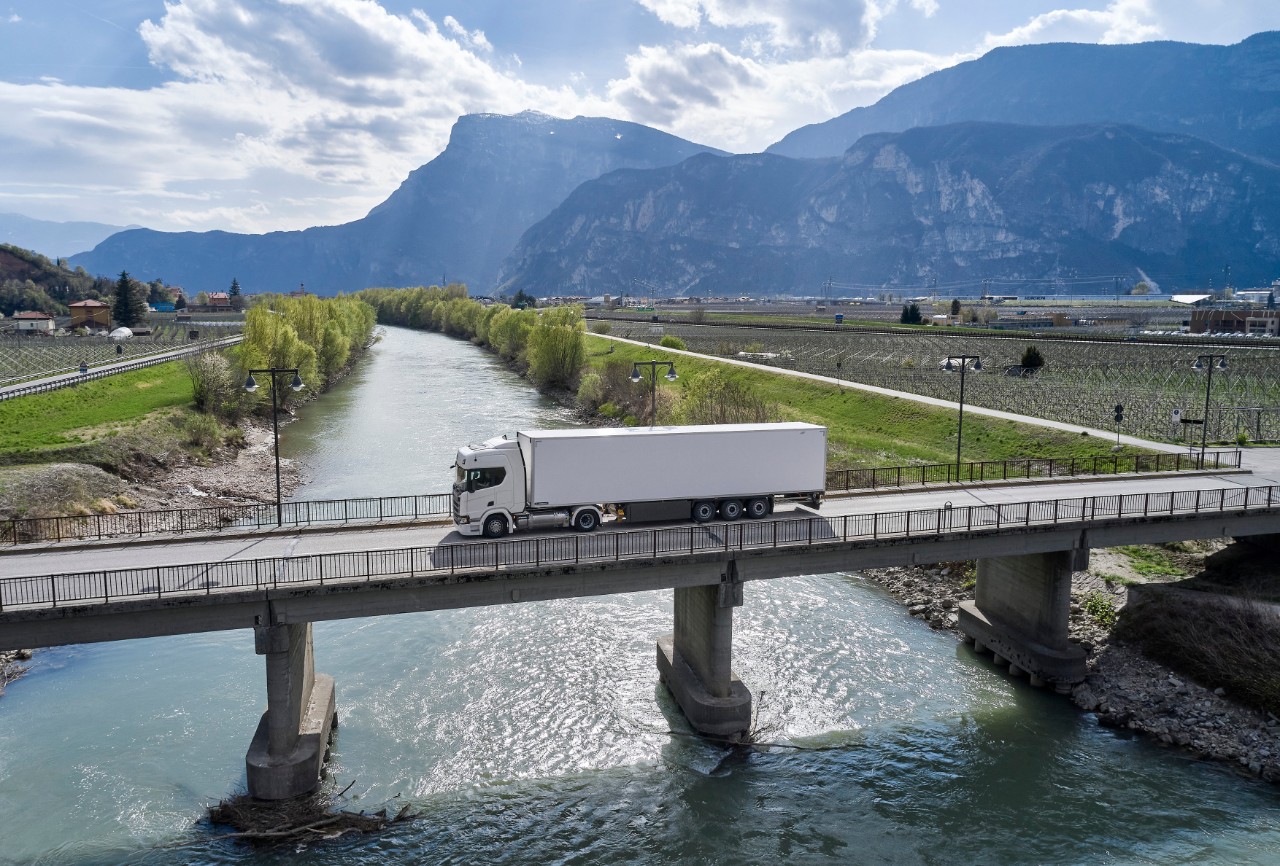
x,y
268,115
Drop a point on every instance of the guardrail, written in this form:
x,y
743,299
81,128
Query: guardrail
x,y
1035,467
94,527
71,379
102,587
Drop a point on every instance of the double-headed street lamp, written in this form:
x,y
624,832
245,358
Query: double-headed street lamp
x,y
950,367
251,385
653,380
1206,362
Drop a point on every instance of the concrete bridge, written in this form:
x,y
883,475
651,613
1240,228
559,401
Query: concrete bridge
x,y
1027,540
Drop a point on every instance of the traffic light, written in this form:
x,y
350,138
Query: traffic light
x,y
1119,413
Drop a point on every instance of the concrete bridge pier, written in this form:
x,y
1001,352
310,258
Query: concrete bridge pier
x,y
695,661
1020,613
292,740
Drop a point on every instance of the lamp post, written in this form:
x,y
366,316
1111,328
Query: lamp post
x,y
653,380
251,385
1206,362
950,366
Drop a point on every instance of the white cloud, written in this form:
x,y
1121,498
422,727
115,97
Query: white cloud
x,y
788,27
1122,21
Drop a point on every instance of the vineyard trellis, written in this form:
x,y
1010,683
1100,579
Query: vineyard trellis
x,y
34,357
1080,383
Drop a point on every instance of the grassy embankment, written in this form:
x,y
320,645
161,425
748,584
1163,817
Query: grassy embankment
x,y
54,446
864,429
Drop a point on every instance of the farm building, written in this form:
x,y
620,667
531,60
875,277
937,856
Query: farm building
x,y
90,314
1261,321
219,299
38,323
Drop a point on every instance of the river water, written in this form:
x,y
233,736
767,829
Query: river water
x,y
538,733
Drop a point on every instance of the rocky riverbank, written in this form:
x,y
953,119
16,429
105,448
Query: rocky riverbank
x,y
1123,688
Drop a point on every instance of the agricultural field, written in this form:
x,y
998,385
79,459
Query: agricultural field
x,y
1081,382
30,357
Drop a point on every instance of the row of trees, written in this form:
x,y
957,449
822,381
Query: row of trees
x,y
318,336
546,344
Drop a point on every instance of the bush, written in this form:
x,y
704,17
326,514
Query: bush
x,y
1032,359
218,388
1100,608
719,398
670,342
601,327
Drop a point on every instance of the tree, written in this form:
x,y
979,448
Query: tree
x,y
180,303
233,294
523,301
911,314
955,307
1032,359
202,299
130,307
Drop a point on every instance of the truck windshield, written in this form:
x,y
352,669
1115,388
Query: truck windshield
x,y
479,479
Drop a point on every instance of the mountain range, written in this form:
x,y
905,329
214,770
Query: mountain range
x,y
452,220
1030,162
53,239
1226,94
932,203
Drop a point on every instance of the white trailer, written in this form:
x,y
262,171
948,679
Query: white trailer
x,y
556,478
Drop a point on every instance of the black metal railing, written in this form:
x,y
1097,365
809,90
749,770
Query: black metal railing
x,y
91,527
94,527
486,557
1034,467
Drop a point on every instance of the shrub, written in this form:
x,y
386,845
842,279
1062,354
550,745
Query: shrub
x,y
670,342
1032,359
1100,608
601,327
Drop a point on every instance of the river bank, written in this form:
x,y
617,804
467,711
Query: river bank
x,y
1123,688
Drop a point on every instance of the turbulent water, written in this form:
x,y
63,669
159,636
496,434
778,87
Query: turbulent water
x,y
538,733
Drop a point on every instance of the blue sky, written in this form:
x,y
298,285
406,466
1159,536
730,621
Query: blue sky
x,y
262,115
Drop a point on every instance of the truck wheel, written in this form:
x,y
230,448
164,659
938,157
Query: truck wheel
x,y
757,508
586,520
495,526
731,509
704,510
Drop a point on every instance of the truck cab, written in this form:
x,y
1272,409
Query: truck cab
x,y
489,487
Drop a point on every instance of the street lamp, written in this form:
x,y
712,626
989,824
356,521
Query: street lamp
x,y
950,367
1206,362
653,380
251,385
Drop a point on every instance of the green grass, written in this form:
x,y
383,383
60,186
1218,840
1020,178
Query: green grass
x,y
1151,562
1100,608
868,429
92,410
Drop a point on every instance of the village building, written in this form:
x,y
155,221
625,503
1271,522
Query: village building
x,y
33,323
93,315
219,300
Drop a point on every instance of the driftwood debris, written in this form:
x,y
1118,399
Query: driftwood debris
x,y
306,818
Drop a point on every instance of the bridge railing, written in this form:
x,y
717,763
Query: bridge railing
x,y
1033,467
458,561
93,527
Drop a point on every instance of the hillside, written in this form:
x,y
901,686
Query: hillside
x,y
1227,94
30,281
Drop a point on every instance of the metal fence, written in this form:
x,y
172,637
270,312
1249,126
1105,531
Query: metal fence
x,y
93,527
1036,467
446,561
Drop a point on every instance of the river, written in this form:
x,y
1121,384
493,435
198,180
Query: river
x,y
538,733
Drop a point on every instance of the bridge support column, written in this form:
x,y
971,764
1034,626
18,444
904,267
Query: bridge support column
x,y
292,740
1021,610
695,661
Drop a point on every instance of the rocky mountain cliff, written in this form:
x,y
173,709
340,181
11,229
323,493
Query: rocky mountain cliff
x,y
1227,94
452,219
964,201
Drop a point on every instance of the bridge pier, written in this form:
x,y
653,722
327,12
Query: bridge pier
x,y
1020,611
289,748
695,661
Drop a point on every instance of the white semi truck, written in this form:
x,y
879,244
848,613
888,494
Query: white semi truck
x,y
538,479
